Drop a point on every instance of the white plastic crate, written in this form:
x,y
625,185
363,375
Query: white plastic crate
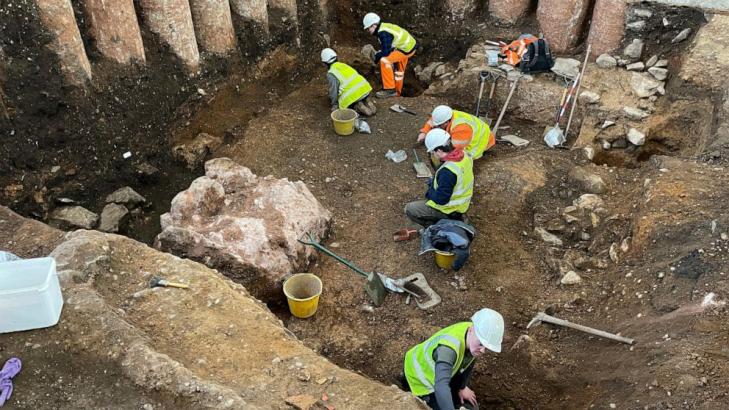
x,y
30,296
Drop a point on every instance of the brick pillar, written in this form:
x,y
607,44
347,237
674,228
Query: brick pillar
x,y
608,26
171,20
213,26
115,30
57,17
562,21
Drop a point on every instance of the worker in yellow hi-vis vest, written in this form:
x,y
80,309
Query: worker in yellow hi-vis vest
x,y
398,46
439,369
347,88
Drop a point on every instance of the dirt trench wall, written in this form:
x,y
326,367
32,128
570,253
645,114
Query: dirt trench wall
x,y
114,30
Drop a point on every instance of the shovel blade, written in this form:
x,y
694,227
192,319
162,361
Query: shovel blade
x,y
375,289
396,108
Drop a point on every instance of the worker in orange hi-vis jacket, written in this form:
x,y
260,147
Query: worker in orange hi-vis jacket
x,y
398,46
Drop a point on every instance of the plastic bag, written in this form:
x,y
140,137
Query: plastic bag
x,y
362,127
396,157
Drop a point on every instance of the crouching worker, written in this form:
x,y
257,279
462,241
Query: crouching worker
x,y
450,190
467,131
347,88
439,369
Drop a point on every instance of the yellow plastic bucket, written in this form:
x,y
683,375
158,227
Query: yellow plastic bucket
x,y
444,260
302,291
343,120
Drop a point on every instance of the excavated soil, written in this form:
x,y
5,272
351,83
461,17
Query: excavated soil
x,y
279,126
509,269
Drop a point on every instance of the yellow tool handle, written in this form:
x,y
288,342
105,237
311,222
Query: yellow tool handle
x,y
177,285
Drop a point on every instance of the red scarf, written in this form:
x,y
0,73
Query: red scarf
x,y
455,156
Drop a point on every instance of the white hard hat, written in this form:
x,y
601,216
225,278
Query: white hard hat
x,y
370,19
442,114
328,55
436,138
488,325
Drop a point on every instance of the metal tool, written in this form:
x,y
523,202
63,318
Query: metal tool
x,y
374,285
156,281
506,104
554,134
417,282
421,168
543,317
483,75
577,93
400,108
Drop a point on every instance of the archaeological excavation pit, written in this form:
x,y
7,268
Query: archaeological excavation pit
x,y
192,139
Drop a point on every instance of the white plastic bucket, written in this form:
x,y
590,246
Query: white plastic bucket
x,y
30,295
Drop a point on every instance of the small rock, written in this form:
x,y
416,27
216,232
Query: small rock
x,y
193,152
636,137
607,124
613,406
302,401
367,309
570,278
651,61
55,169
634,113
636,25
643,13
658,73
112,217
201,92
625,245
639,66
69,217
548,237
620,143
146,172
566,67
683,35
606,61
589,153
634,49
643,85
661,63
126,196
147,406
605,144
661,89
724,236
661,275
665,22
589,201
586,180
590,97
506,68
613,252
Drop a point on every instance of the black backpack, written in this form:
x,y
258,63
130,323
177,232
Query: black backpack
x,y
537,58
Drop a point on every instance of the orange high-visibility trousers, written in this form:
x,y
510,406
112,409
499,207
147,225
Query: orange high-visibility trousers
x,y
392,70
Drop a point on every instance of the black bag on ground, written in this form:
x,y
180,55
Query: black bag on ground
x,y
537,58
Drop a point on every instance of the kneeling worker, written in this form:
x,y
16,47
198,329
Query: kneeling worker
x,y
347,88
398,46
450,190
467,131
439,369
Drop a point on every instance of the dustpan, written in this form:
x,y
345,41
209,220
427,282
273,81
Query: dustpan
x,y
421,168
418,284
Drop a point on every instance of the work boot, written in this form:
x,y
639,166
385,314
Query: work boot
x,y
371,105
386,94
363,109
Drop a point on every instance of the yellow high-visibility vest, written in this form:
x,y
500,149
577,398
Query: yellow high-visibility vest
x,y
403,40
352,86
480,132
462,191
419,363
